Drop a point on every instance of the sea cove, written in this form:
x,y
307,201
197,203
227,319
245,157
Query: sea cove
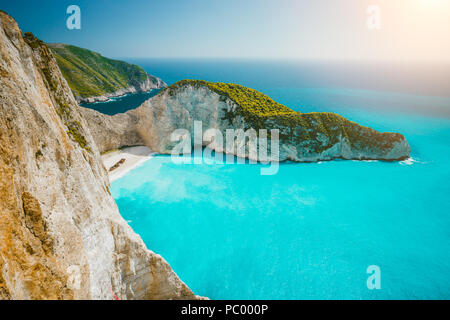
x,y
311,230
231,151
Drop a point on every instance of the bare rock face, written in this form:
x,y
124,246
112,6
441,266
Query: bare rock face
x,y
61,234
112,132
303,137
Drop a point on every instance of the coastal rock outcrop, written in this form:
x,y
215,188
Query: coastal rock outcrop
x,y
113,132
61,234
303,137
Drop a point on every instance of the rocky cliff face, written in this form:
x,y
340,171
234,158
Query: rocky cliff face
x,y
303,137
61,234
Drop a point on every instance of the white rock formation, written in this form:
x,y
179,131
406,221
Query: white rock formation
x,y
177,108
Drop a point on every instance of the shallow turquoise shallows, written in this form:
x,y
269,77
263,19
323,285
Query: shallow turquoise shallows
x,y
312,230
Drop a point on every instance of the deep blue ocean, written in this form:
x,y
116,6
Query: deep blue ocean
x,y
312,230
121,104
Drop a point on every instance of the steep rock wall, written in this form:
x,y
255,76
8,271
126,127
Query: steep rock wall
x,y
61,234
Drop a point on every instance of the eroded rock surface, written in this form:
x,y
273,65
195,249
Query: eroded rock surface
x,y
61,234
303,137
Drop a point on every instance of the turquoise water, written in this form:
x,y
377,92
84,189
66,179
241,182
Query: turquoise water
x,y
311,230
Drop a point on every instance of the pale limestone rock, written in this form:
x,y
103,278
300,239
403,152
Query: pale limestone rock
x,y
61,234
157,118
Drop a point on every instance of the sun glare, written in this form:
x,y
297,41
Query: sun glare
x,y
434,3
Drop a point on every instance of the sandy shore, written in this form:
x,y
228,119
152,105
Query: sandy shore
x,y
134,156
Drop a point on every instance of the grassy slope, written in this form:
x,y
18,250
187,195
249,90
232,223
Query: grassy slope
x,y
89,74
261,112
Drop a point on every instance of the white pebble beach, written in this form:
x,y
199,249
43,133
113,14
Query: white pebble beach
x,y
134,156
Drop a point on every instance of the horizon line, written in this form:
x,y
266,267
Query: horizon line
x,y
296,59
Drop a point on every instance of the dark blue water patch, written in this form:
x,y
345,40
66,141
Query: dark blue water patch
x,y
121,104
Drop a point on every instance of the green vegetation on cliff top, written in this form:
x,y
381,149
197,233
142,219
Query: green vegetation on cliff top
x,y
250,100
89,74
261,112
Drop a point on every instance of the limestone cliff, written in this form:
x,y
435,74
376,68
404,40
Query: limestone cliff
x,y
304,137
61,234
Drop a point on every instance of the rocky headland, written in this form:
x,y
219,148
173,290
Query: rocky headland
x,y
94,78
303,137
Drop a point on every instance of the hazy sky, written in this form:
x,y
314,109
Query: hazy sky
x,y
298,29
